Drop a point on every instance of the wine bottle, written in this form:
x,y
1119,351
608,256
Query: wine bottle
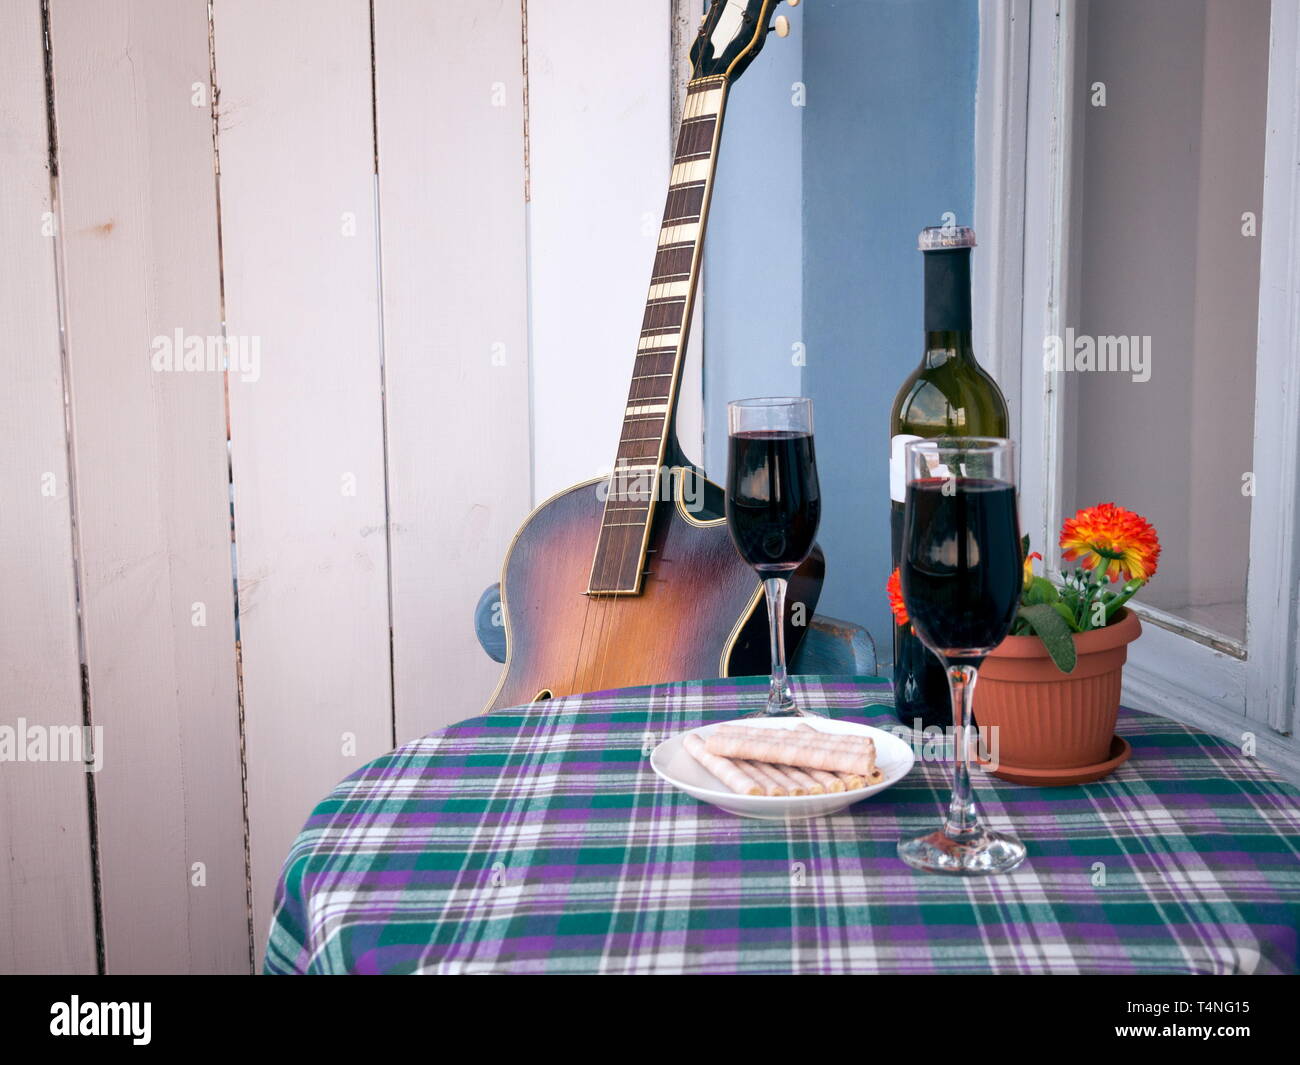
x,y
949,394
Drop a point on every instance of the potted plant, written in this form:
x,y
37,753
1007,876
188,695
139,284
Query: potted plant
x,y
1052,687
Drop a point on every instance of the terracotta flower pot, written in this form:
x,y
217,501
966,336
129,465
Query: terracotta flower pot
x,y
1050,722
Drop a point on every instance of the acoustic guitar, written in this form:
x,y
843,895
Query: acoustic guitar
x,y
633,579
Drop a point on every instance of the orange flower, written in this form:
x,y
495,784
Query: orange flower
x,y
895,590
1111,540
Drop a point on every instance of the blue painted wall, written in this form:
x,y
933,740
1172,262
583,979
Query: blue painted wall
x,y
886,147
753,264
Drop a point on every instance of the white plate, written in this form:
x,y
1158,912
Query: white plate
x,y
894,758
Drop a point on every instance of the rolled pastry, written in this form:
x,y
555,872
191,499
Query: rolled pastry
x,y
735,778
782,747
777,777
807,781
829,781
803,734
851,781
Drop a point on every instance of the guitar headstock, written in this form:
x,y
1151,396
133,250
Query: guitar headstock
x,y
732,34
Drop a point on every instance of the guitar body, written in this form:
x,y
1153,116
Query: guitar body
x,y
700,613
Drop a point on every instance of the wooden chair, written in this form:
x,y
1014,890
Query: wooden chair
x,y
830,646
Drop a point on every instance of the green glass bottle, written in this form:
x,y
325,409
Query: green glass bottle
x,y
949,394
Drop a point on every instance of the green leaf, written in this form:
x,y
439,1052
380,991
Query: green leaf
x,y
1066,613
1052,629
1041,590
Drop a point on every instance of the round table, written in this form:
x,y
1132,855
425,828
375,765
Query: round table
x,y
538,839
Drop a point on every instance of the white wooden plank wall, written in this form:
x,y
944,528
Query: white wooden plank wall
x,y
392,410
298,236
599,153
46,895
139,240
455,284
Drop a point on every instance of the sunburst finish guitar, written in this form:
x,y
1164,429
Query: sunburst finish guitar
x,y
633,579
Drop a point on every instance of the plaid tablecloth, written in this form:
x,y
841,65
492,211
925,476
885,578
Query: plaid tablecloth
x,y
539,840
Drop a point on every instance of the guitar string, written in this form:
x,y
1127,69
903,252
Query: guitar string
x,y
595,601
600,573
592,583
600,579
607,611
586,612
604,642
656,483
600,576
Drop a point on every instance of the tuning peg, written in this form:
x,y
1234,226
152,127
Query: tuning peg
x,y
782,26
792,3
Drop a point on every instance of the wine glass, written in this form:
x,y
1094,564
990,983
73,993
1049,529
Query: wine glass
x,y
961,575
773,507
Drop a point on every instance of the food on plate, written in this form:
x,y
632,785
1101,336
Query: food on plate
x,y
850,781
779,782
732,775
805,749
785,762
809,784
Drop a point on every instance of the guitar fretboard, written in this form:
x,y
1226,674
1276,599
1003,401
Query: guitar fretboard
x,y
619,564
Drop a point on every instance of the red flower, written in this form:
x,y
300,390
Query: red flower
x,y
895,590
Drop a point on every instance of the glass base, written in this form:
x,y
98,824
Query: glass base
x,y
794,711
977,852
780,699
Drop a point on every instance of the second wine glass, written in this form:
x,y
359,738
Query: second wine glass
x,y
773,509
961,576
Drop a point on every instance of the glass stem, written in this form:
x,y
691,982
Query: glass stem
x,y
779,699
962,817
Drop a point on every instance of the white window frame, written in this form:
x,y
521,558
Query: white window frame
x,y
1024,124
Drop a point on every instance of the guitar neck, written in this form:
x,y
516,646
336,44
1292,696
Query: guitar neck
x,y
619,564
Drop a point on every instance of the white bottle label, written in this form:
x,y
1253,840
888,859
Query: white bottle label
x,y
898,467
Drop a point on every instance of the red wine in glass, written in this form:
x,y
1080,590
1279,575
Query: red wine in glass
x,y
773,501
961,564
961,576
773,507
